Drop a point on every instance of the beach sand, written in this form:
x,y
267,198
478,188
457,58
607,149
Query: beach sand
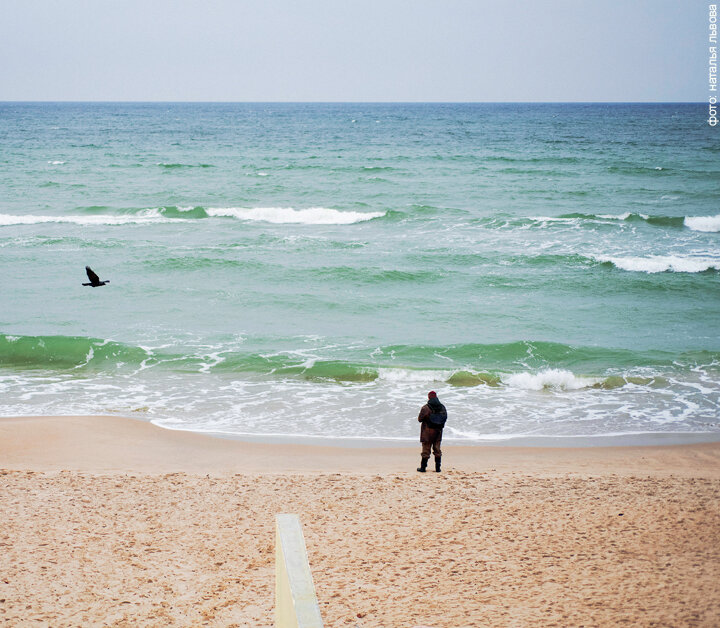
x,y
113,521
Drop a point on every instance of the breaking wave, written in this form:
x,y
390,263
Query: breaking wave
x,y
288,215
329,216
144,217
275,215
557,379
694,223
526,365
661,264
703,223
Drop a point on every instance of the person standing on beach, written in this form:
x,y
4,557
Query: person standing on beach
x,y
432,416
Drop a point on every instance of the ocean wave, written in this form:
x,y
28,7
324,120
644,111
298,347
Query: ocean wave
x,y
419,376
660,264
550,159
579,220
144,217
289,215
173,166
171,211
66,352
472,378
635,169
518,364
659,221
275,215
557,379
703,223
369,274
186,263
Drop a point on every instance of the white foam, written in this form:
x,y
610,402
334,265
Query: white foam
x,y
56,163
213,360
410,376
624,216
90,355
703,223
147,216
288,215
661,264
550,378
554,219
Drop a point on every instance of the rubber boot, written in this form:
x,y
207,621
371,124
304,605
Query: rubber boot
x,y
423,465
437,464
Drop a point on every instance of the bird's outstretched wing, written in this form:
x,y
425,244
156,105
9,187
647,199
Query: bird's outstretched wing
x,y
94,279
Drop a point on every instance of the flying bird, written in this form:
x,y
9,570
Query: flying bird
x,y
94,279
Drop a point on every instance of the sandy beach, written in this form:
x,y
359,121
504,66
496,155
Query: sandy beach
x,y
113,521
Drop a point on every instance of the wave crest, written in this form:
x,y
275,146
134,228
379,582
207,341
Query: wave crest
x,y
275,215
143,217
289,215
710,224
660,264
557,379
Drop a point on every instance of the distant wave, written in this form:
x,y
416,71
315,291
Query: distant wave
x,y
629,168
658,221
144,217
662,221
288,215
661,264
369,274
173,166
275,215
695,223
530,160
329,216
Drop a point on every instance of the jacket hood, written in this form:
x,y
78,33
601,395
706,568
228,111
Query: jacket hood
x,y
434,404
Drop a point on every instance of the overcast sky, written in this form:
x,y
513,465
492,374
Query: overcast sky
x,y
354,50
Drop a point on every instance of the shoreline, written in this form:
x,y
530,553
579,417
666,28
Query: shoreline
x,y
109,444
631,439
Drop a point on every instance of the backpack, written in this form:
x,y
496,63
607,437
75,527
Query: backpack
x,y
436,420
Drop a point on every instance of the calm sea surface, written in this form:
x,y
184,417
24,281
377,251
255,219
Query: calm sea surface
x,y
315,269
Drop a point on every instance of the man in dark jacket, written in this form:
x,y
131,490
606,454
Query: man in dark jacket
x,y
432,416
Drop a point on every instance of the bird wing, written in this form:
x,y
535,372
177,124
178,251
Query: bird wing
x,y
91,275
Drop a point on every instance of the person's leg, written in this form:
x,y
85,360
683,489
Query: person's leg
x,y
424,457
437,451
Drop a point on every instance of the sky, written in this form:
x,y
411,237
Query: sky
x,y
354,50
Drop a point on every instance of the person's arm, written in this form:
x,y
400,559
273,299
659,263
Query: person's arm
x,y
424,413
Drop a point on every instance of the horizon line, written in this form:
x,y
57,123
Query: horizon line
x,y
366,102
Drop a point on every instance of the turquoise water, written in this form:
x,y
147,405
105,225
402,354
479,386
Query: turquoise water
x,y
313,270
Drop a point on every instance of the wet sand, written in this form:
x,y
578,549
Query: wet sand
x,y
112,521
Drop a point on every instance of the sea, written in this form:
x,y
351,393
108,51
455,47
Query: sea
x,y
308,271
